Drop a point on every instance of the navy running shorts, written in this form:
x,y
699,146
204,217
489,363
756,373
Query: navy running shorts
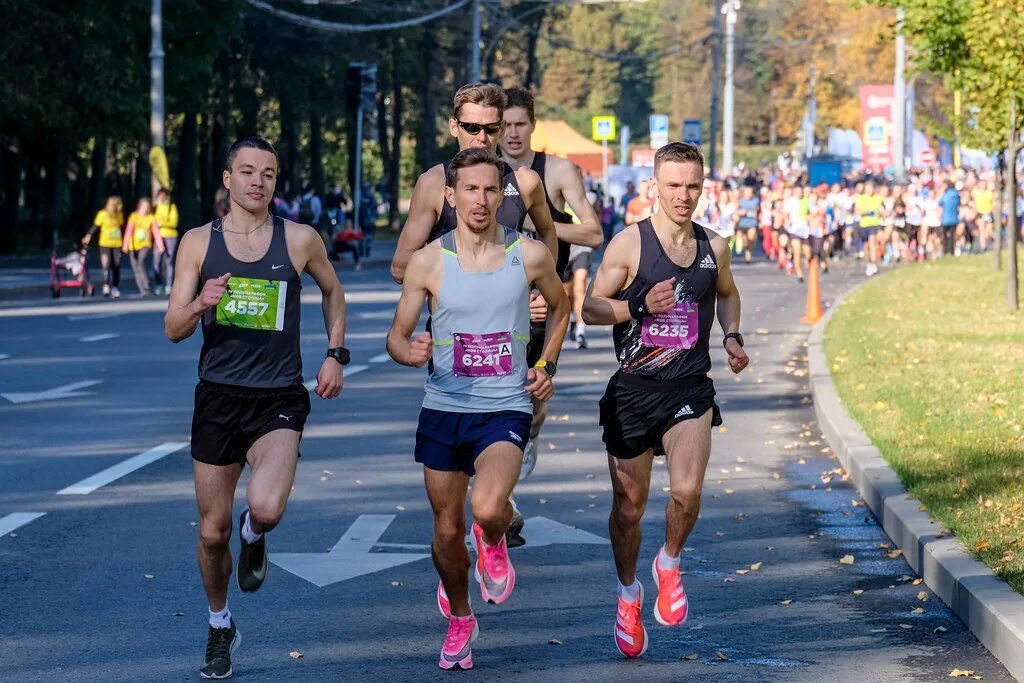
x,y
451,442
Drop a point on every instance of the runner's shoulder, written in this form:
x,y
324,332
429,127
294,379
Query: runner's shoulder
x,y
195,239
432,178
625,244
425,259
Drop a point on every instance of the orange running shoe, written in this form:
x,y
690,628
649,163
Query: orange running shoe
x,y
630,634
671,607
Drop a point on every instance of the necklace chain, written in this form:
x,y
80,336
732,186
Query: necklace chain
x,y
242,232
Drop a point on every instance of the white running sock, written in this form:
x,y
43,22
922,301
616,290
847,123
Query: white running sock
x,y
581,329
630,593
666,562
248,534
221,619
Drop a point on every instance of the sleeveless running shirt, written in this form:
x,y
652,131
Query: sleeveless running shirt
x,y
538,166
251,338
671,348
511,212
481,326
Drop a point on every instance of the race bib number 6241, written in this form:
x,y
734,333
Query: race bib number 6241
x,y
253,303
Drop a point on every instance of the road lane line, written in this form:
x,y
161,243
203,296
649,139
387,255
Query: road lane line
x,y
382,358
4,356
90,484
17,519
96,316
99,337
349,371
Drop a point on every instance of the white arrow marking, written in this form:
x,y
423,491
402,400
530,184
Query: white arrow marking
x,y
99,337
348,372
114,473
17,519
66,391
382,358
349,558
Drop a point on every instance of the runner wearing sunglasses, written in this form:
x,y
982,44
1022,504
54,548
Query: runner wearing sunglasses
x,y
477,122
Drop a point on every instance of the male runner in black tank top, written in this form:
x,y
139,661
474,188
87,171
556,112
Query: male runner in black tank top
x,y
239,277
660,284
563,187
477,122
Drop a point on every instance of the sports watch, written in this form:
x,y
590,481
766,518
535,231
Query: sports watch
x,y
340,354
733,335
549,366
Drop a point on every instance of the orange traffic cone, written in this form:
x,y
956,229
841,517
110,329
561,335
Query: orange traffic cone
x,y
814,311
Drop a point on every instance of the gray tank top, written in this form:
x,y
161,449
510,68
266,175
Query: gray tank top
x,y
251,338
480,329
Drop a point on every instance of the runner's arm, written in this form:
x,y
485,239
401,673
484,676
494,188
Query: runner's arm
x,y
599,308
587,232
541,271
419,223
158,239
537,207
407,312
728,307
330,377
184,309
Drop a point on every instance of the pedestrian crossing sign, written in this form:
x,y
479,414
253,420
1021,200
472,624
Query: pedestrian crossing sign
x,y
603,128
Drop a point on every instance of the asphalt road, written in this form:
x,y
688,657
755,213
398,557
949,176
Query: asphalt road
x,y
104,585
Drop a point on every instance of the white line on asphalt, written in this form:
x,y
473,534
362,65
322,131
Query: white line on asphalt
x,y
17,519
4,356
375,315
90,484
57,393
382,358
96,316
349,371
100,337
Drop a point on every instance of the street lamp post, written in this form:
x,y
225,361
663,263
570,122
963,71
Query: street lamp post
x,y
899,103
156,84
730,9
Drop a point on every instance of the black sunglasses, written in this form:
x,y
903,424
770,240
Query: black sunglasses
x,y
474,128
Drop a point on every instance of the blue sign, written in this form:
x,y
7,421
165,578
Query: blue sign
x,y
659,130
692,132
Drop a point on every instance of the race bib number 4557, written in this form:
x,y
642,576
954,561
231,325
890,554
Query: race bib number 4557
x,y
253,303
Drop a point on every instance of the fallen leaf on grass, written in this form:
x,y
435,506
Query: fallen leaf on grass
x,y
691,657
982,545
846,559
295,654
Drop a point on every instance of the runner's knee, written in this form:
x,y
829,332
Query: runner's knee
x,y
488,512
449,532
267,511
628,507
214,535
687,497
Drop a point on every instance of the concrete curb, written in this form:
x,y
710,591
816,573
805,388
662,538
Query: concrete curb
x,y
985,603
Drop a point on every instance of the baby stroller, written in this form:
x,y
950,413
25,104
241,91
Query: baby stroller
x,y
77,273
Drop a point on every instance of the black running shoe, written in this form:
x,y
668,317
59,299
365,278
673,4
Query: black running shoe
x,y
513,535
252,561
221,643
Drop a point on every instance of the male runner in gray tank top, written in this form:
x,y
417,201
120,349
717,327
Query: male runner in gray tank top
x,y
476,411
476,123
239,277
660,284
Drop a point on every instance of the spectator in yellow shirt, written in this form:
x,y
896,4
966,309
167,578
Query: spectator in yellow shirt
x,y
142,230
166,213
107,225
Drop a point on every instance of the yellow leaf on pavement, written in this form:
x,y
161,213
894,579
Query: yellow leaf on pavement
x,y
846,559
755,567
295,654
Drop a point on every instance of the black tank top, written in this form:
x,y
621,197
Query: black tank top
x,y
251,339
538,165
511,211
669,351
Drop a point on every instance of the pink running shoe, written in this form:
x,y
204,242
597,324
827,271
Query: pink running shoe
x,y
671,607
630,634
457,653
493,569
443,603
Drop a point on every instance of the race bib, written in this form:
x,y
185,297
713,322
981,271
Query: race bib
x,y
675,329
141,234
482,355
253,304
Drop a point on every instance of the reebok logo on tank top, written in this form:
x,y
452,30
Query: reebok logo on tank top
x,y
708,262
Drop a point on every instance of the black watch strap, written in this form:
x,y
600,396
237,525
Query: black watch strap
x,y
340,354
733,335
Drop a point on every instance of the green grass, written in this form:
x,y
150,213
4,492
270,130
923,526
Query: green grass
x,y
930,361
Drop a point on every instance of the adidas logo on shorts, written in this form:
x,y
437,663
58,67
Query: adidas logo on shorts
x,y
708,262
685,410
516,437
511,191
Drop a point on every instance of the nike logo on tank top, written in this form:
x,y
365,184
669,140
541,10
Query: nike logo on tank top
x,y
481,327
251,337
511,212
670,347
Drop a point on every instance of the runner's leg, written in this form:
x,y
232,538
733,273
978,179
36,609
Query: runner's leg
x,y
215,490
688,445
631,483
447,494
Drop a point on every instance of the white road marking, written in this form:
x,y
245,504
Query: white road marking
x,y
375,315
17,519
349,371
90,484
382,358
4,356
66,391
100,337
96,316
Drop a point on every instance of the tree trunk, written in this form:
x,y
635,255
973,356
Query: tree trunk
x,y
426,141
58,178
143,175
290,144
395,169
208,180
316,157
185,189
531,50
1012,228
10,184
98,175
997,214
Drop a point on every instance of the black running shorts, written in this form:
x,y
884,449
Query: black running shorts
x,y
228,419
635,419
